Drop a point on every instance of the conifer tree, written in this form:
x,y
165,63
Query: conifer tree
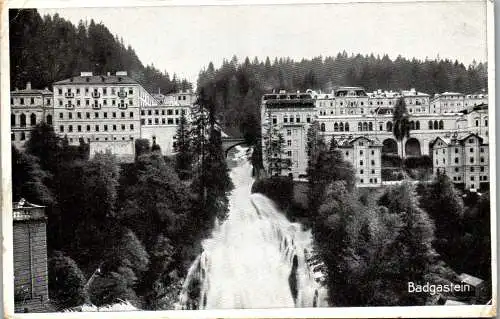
x,y
184,156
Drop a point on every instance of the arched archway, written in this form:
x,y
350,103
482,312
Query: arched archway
x,y
336,127
388,126
430,125
417,125
365,126
436,125
370,126
346,127
360,126
412,147
49,119
23,119
412,125
341,127
33,119
441,125
322,127
390,146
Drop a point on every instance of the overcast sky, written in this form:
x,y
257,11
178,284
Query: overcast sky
x,y
184,39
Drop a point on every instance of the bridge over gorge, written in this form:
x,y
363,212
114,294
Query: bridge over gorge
x,y
229,142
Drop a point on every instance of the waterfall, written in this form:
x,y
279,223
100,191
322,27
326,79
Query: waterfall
x,y
255,259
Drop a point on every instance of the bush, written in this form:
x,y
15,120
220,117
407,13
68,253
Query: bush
x,y
392,174
391,160
66,281
423,161
277,188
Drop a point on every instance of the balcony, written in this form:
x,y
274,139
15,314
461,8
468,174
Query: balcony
x,y
122,94
69,95
69,106
96,94
96,106
122,106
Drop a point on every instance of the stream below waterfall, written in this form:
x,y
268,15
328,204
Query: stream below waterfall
x,y
256,258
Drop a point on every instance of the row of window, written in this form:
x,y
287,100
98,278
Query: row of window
x,y
168,121
361,162
96,103
472,178
292,119
361,152
368,126
471,150
472,169
169,112
96,91
88,128
471,160
22,120
371,181
361,171
32,101
97,115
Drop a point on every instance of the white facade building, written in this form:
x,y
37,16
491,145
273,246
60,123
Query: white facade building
x,y
160,122
291,114
365,156
99,107
350,113
464,158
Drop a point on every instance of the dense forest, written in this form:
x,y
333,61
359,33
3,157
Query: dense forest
x,y
48,49
240,84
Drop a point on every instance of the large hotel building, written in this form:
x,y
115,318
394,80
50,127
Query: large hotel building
x,y
107,111
360,119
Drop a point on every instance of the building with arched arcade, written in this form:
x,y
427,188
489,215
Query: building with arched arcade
x,y
350,113
29,107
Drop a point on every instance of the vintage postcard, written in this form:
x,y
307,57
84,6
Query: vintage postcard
x,y
248,159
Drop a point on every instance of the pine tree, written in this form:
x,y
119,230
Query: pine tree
x,y
274,149
401,123
184,156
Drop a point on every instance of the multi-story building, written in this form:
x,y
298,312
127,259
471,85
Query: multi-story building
x,y
290,114
365,156
464,158
29,107
349,113
372,116
453,102
160,121
416,102
99,107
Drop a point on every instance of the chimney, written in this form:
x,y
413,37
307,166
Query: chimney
x,y
28,85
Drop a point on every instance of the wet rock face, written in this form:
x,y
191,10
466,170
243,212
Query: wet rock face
x,y
292,279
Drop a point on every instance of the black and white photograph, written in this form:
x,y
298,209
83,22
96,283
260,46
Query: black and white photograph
x,y
320,159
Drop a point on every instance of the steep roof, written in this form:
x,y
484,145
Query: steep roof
x,y
348,142
98,79
458,139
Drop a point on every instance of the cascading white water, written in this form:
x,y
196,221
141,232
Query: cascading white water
x,y
255,259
